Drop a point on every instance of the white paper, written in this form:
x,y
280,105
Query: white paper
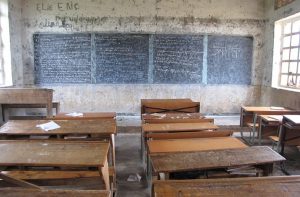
x,y
277,108
276,117
134,178
48,126
75,114
159,115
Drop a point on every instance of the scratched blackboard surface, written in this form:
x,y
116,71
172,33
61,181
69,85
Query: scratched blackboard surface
x,y
229,59
177,59
62,58
121,58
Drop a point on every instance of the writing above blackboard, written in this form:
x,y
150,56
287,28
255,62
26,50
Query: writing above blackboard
x,y
98,58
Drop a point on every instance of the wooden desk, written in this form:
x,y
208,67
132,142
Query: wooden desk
x,y
249,115
18,192
87,115
175,118
103,128
172,128
262,186
191,145
262,157
178,127
17,96
56,154
289,132
268,125
169,106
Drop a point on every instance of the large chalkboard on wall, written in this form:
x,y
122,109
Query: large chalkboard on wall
x,y
121,58
91,58
62,58
229,59
177,59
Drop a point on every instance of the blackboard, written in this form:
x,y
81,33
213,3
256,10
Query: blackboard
x,y
99,58
229,59
121,58
177,59
62,58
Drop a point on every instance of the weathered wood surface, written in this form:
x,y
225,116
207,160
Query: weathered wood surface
x,y
27,96
190,145
178,127
263,186
17,192
88,116
185,135
53,153
175,117
169,106
202,160
28,127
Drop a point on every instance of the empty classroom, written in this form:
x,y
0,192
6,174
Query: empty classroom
x,y
149,98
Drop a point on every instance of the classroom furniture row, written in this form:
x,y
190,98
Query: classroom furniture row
x,y
279,124
79,155
185,145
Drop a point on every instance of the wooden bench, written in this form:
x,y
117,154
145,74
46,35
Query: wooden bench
x,y
20,192
174,118
54,154
149,106
5,107
261,157
86,115
262,186
27,97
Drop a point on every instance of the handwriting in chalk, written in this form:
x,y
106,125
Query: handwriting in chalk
x,y
227,52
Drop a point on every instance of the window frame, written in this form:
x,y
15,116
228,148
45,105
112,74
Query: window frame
x,y
278,60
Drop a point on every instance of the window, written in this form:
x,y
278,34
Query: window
x,y
5,55
287,61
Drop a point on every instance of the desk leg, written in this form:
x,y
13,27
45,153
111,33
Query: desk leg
x,y
259,132
113,150
267,169
252,136
281,142
104,172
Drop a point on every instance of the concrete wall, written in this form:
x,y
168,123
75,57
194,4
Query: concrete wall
x,y
232,17
273,96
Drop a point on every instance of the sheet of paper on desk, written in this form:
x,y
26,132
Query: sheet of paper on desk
x,y
75,114
277,108
294,118
48,126
276,117
159,115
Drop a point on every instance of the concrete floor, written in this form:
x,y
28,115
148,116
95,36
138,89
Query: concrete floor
x,y
128,158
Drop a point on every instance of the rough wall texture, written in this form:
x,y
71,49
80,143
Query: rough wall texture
x,y
273,96
231,17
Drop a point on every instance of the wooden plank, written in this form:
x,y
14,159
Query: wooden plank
x,y
17,192
27,96
257,109
190,145
24,95
88,116
178,120
184,135
176,127
202,160
18,182
169,106
28,127
38,175
262,186
53,153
